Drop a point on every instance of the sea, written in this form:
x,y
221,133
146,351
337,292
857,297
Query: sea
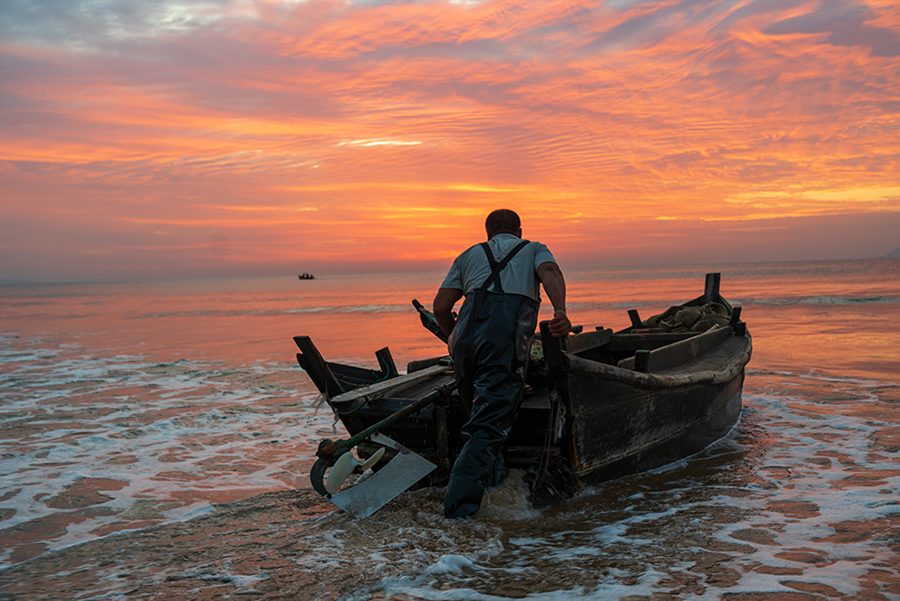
x,y
157,438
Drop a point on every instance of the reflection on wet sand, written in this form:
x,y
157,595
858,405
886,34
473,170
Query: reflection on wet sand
x,y
805,511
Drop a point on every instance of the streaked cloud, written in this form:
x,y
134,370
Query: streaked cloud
x,y
338,130
843,24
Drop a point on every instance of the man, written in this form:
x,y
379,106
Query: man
x,y
490,344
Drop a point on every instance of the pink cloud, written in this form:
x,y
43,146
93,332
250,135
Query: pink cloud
x,y
336,131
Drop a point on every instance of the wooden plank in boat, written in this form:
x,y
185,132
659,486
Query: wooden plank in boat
x,y
715,358
679,353
393,385
588,340
632,342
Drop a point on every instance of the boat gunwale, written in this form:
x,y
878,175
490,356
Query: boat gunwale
x,y
573,365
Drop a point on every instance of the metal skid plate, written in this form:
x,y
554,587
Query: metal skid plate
x,y
369,495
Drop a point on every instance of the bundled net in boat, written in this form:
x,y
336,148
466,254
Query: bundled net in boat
x,y
689,319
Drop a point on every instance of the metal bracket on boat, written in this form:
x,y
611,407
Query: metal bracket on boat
x,y
404,470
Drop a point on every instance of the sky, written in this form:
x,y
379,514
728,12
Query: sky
x,y
189,138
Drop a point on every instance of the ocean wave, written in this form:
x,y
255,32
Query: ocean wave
x,y
819,300
98,444
846,300
330,309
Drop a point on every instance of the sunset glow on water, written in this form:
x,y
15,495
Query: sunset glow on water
x,y
130,406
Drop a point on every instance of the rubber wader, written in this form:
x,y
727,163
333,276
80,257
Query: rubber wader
x,y
489,345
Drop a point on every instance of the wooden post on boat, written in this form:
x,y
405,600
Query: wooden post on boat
x,y
552,351
740,328
711,292
635,318
443,443
386,363
311,360
642,360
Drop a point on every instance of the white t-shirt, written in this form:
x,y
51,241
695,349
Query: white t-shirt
x,y
471,268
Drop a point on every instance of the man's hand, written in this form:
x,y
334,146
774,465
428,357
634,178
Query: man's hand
x,y
443,308
560,325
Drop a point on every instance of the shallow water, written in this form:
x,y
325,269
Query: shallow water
x,y
128,406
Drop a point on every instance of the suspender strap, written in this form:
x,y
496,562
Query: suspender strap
x,y
497,267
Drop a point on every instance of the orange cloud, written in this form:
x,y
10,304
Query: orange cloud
x,y
345,133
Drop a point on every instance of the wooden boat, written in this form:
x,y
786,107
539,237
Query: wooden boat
x,y
599,404
306,276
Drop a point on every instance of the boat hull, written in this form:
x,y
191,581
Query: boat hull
x,y
617,429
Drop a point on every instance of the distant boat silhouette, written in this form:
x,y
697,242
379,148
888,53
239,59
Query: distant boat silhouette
x,y
306,276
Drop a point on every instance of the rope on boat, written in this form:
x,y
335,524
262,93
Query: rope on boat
x,y
385,368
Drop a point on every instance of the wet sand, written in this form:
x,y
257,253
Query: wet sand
x,y
282,545
256,547
295,545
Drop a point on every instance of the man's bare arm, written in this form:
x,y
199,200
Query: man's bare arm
x,y
443,308
555,286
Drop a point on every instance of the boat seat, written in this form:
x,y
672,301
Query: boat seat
x,y
677,353
580,343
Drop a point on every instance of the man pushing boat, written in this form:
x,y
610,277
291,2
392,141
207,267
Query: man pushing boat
x,y
490,343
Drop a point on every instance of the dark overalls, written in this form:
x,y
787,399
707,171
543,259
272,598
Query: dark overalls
x,y
490,345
